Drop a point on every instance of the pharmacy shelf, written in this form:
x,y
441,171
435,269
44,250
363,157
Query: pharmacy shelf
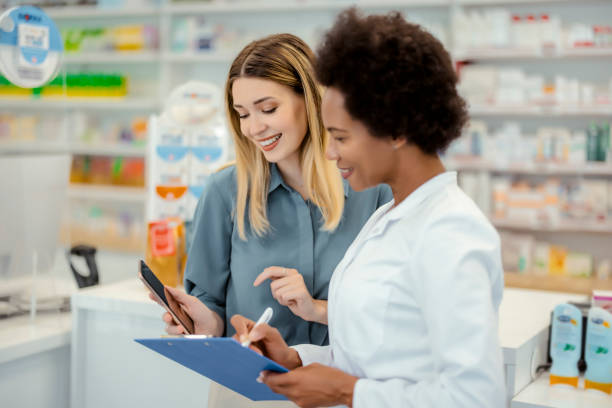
x,y
206,57
134,195
144,104
568,284
544,54
506,2
587,169
540,111
38,146
83,12
124,57
114,149
77,235
561,226
243,6
32,146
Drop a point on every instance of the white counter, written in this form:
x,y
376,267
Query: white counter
x,y
20,337
109,369
540,394
107,318
35,361
127,296
35,357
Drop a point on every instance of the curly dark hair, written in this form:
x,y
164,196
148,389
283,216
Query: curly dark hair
x,y
396,78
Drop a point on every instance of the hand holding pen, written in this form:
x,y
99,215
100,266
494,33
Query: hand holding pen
x,y
264,319
265,340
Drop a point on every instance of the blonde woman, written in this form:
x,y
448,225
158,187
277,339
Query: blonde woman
x,y
270,229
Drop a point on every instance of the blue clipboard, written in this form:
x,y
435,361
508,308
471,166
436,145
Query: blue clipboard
x,y
223,360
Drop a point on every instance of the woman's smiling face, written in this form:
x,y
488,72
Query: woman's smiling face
x,y
271,115
363,159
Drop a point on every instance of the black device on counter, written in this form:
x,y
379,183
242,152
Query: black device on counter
x,y
89,254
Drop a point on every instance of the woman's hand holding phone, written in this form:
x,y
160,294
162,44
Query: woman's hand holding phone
x,y
205,321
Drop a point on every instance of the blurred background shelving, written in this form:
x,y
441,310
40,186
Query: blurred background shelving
x,y
525,67
107,193
564,284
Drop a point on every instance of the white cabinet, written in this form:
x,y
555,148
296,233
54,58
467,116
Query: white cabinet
x,y
109,369
35,361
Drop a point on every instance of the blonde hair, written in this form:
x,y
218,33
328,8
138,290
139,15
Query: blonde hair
x,y
286,60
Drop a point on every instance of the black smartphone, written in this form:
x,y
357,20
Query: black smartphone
x,y
165,298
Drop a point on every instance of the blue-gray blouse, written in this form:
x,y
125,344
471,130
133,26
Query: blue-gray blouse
x,y
221,267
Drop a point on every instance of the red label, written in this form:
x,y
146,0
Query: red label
x,y
161,240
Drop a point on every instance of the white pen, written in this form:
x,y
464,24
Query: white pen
x,y
265,318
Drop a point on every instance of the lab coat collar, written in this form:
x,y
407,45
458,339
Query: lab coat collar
x,y
414,200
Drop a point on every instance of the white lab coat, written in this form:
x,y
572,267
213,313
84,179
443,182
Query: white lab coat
x,y
413,305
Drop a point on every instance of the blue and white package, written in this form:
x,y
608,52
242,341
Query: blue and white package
x,y
565,344
598,351
209,148
30,47
170,163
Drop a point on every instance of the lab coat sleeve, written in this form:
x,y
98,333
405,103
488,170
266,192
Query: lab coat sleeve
x,y
452,272
208,264
311,353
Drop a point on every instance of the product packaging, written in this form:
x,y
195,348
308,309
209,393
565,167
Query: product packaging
x,y
501,187
604,271
541,258
552,209
517,252
565,344
598,351
603,299
596,197
577,150
170,165
609,200
165,251
170,201
187,143
579,264
557,260
592,142
208,151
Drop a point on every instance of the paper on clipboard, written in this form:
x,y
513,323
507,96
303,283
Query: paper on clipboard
x,y
223,360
